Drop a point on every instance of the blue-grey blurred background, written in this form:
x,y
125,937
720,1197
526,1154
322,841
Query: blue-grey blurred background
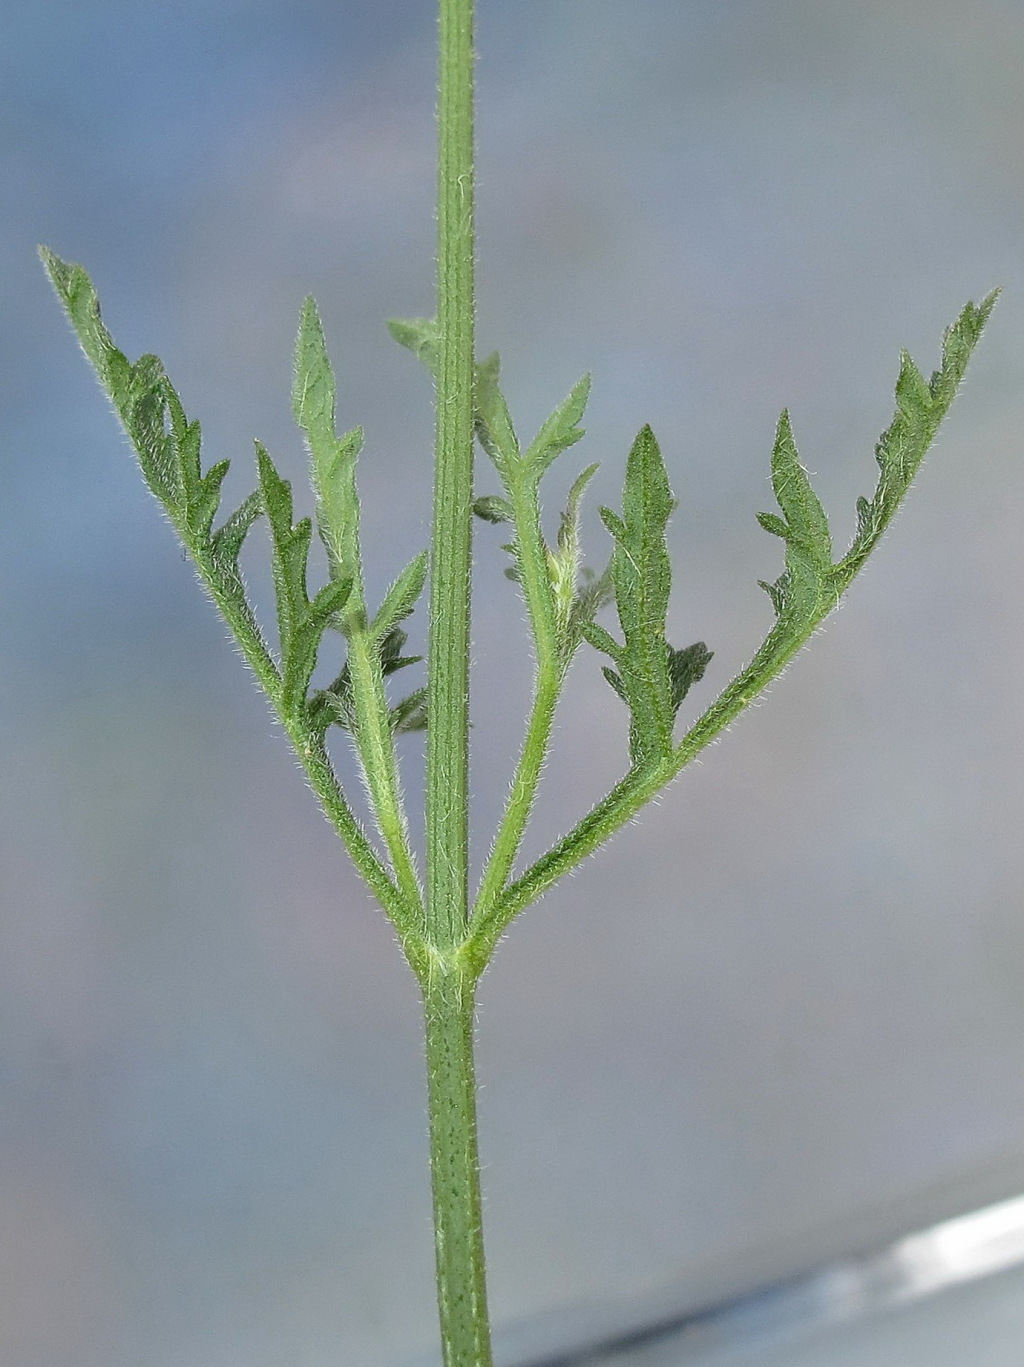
x,y
783,1016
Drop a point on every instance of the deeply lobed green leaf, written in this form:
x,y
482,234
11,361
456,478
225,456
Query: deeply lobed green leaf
x,y
301,623
811,583
494,422
335,704
920,407
332,457
226,543
168,447
565,597
401,598
650,677
333,473
806,582
578,593
561,430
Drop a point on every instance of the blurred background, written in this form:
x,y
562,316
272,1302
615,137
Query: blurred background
x,y
781,1018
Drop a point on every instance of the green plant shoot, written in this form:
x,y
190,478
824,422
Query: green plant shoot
x,y
447,937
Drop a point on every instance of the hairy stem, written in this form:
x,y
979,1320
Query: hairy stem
x,y
631,793
533,575
547,691
455,1166
447,984
447,796
311,752
323,780
376,747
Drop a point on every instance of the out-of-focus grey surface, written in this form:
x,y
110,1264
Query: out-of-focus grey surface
x,y
940,1296
982,1324
782,1018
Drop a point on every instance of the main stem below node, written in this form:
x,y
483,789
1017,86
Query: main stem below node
x,y
455,1171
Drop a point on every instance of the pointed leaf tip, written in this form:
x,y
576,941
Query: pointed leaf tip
x,y
806,522
418,335
646,677
561,430
400,599
493,508
314,391
494,426
59,271
686,668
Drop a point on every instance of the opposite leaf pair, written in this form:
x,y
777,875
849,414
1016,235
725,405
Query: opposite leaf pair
x,y
562,599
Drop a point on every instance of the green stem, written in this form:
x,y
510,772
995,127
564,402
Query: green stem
x,y
448,990
634,791
399,905
405,914
376,747
447,786
374,741
536,585
521,797
447,982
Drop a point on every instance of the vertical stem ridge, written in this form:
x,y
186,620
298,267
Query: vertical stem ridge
x,y
455,1170
448,984
447,797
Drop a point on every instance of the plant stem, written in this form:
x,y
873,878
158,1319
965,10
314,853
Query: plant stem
x,y
550,674
447,786
448,984
523,792
324,782
376,748
455,1167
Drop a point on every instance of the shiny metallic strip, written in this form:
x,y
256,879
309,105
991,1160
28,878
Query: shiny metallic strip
x,y
960,1250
